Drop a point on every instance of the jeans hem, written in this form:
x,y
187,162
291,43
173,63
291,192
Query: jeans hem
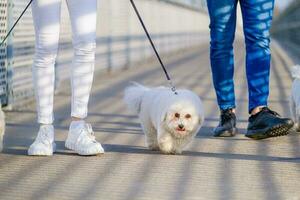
x,y
253,106
225,107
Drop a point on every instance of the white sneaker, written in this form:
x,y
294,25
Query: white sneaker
x,y
44,144
82,140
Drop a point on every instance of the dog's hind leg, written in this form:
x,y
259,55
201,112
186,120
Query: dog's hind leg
x,y
293,109
294,113
297,120
150,136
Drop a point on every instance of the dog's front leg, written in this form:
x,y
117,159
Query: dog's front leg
x,y
297,121
165,142
150,135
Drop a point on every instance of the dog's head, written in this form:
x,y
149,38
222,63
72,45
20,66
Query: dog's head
x,y
182,119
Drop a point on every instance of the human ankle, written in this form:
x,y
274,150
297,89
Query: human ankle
x,y
231,110
256,110
76,123
45,125
76,119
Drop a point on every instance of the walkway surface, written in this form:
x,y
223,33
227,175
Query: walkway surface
x,y
213,168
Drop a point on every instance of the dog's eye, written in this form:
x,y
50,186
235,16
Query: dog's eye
x,y
187,116
177,115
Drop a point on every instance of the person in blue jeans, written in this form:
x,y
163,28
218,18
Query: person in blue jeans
x,y
257,19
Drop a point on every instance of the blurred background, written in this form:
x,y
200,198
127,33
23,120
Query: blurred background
x,y
174,25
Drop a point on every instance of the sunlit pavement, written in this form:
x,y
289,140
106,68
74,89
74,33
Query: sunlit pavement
x,y
213,168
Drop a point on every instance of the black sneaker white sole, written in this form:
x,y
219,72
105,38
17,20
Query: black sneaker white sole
x,y
275,131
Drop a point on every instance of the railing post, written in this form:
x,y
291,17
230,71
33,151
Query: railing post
x,y
9,78
3,57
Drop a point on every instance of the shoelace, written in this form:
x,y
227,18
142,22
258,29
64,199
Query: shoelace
x,y
89,131
44,136
270,111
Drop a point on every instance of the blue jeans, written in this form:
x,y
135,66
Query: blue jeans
x,y
257,18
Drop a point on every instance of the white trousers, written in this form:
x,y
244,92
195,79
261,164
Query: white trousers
x,y
46,17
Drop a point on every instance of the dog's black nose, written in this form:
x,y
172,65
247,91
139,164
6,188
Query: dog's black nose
x,y
181,126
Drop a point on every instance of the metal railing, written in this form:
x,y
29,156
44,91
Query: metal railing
x,y
3,52
286,28
120,40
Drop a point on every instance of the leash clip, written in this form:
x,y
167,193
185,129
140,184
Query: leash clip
x,y
173,88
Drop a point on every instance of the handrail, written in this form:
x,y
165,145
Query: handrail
x,y
288,20
286,29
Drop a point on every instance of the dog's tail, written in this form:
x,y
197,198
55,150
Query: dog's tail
x,y
134,95
296,72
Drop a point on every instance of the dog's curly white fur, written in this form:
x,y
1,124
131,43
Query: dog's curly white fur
x,y
169,121
295,96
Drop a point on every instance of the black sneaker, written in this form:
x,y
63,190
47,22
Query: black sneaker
x,y
268,123
226,127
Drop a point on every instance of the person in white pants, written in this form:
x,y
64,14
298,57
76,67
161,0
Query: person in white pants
x,y
46,17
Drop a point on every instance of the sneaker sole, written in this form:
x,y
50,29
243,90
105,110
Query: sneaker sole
x,y
71,146
227,133
44,154
276,131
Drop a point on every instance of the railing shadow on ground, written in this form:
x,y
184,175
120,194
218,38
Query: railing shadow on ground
x,y
19,147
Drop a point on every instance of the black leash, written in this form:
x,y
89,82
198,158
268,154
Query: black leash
x,y
12,28
173,88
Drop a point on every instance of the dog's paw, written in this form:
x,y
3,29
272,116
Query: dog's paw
x,y
166,145
166,148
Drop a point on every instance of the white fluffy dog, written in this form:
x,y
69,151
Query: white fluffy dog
x,y
169,121
295,97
